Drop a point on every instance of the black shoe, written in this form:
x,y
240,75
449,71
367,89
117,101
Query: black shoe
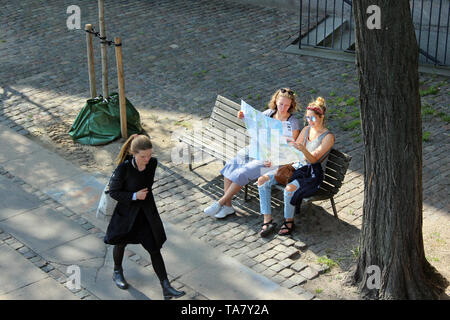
x,y
119,279
170,292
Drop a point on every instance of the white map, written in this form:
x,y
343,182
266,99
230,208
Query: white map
x,y
268,137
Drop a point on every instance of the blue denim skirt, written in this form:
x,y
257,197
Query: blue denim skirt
x,y
241,169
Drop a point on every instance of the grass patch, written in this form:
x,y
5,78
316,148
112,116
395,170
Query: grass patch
x,y
327,261
183,123
426,136
351,101
355,114
427,110
446,118
338,100
355,252
431,90
332,94
352,125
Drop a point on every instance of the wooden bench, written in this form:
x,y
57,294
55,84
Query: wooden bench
x,y
225,135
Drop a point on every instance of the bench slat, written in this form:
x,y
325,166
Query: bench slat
x,y
334,174
218,113
335,167
227,141
339,161
229,103
332,181
222,124
205,148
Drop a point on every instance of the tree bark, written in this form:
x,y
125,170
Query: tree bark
x,y
391,234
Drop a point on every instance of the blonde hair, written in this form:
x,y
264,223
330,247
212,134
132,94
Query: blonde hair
x,y
320,104
288,93
134,144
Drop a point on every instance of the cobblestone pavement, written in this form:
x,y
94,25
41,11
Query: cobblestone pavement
x,y
178,56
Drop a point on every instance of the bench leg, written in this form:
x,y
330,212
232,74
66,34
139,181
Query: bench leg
x,y
246,198
297,209
334,208
189,157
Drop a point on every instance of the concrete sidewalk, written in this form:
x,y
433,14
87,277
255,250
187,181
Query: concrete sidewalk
x,y
47,223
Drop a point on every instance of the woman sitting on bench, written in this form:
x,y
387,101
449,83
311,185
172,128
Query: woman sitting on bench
x,y
240,170
315,142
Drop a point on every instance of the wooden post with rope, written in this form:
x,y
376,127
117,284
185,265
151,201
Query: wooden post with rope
x,y
121,84
90,56
101,17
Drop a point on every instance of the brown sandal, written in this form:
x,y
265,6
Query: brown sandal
x,y
284,226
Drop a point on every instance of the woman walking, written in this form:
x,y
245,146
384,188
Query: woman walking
x,y
136,218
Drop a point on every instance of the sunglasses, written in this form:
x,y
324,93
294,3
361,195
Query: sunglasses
x,y
288,91
311,118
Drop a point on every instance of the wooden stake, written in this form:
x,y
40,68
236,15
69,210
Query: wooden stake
x,y
90,56
121,84
101,17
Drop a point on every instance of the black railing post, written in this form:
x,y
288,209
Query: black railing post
x,y
317,21
429,27
350,27
325,28
309,17
446,39
438,28
300,31
334,18
342,23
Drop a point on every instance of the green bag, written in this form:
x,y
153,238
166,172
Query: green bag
x,y
99,121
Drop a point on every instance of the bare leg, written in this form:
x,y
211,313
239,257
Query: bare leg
x,y
232,189
226,184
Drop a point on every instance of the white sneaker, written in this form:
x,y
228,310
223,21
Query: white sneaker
x,y
212,209
225,211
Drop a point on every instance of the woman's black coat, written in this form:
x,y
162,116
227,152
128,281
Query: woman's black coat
x,y
126,180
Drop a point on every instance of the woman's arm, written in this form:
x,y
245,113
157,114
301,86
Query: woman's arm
x,y
295,134
153,165
116,185
314,156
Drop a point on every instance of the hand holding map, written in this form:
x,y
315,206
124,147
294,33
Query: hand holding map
x,y
268,137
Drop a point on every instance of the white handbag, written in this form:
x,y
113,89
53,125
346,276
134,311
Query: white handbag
x,y
106,205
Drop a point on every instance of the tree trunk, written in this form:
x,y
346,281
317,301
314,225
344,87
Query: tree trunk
x,y
391,234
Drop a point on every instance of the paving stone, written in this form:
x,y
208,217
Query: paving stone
x,y
298,266
286,273
288,284
321,268
298,279
309,273
269,262
281,256
277,267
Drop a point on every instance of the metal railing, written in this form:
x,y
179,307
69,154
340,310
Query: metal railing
x,y
329,25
